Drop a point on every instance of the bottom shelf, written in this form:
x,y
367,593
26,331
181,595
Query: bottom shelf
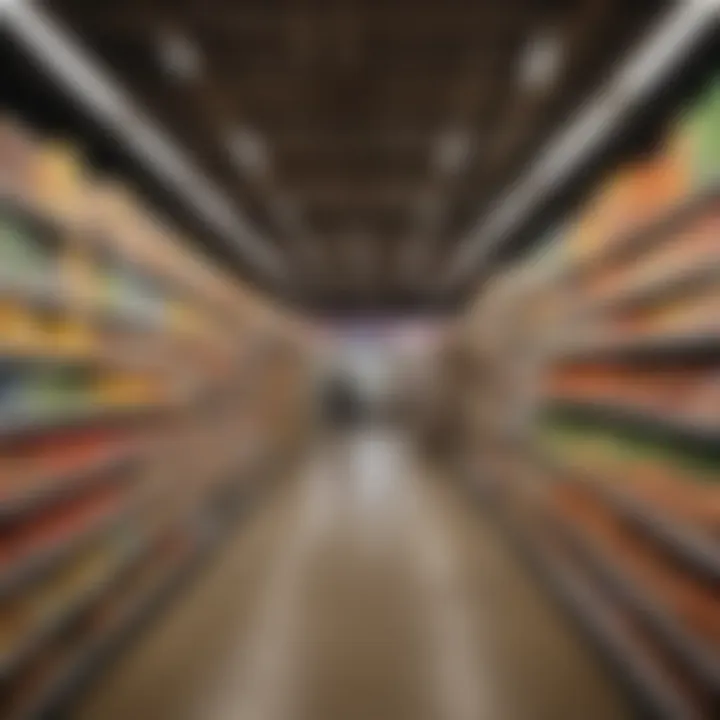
x,y
109,621
112,623
653,685
674,607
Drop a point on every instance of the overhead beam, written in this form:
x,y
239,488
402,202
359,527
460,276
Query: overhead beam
x,y
656,58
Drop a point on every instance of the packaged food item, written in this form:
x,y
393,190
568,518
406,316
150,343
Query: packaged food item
x,y
655,186
127,388
601,219
58,180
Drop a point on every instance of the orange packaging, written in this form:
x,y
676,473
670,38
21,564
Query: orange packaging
x,y
591,234
658,184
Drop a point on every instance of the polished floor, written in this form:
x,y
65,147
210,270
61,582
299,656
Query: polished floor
x,y
364,590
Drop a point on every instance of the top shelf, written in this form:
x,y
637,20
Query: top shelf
x,y
651,233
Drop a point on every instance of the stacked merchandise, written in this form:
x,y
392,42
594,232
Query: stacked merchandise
x,y
616,493
124,416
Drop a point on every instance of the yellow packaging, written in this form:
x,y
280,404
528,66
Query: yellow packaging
x,y
72,336
19,326
603,217
126,388
58,179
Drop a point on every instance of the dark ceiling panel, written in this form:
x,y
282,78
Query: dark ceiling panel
x,y
349,101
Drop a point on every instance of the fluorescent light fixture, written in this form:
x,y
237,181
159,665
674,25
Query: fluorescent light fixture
x,y
540,62
452,151
180,57
668,43
248,150
65,61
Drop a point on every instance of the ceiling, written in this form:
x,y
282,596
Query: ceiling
x,y
362,139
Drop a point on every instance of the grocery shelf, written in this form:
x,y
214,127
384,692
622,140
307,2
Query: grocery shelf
x,y
125,319
64,485
17,659
27,357
24,426
696,549
654,231
701,660
24,572
656,423
669,283
606,624
651,684
50,293
670,347
13,354
86,659
700,552
112,322
51,296
38,292
19,206
74,672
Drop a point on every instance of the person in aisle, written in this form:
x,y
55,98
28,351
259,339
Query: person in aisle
x,y
341,402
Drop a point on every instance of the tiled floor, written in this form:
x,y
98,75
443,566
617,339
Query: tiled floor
x,y
365,590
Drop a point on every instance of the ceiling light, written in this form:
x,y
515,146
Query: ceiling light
x,y
540,62
452,151
179,56
248,150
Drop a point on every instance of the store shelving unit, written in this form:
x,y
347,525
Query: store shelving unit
x,y
19,576
652,686
684,552
695,548
93,651
128,438
599,364
74,668
667,347
53,487
127,468
652,233
654,422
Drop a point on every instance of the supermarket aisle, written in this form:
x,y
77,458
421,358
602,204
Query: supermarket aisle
x,y
366,590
